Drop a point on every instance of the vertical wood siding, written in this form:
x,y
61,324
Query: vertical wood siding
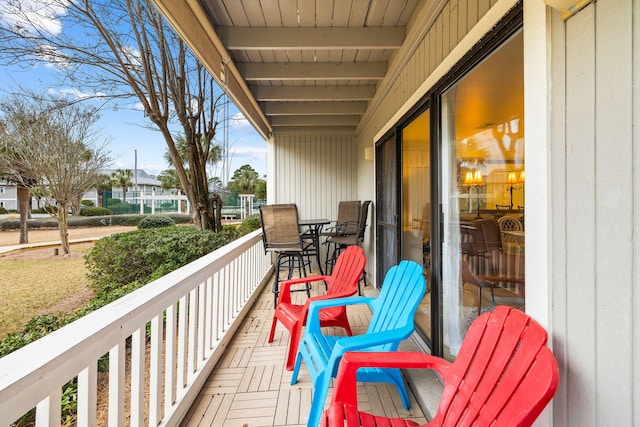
x,y
315,171
452,24
594,213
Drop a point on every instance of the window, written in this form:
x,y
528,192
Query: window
x,y
482,183
454,167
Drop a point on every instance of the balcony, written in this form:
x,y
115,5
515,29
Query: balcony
x,y
213,368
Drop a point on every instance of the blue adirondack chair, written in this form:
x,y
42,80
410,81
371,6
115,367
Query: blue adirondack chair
x,y
391,322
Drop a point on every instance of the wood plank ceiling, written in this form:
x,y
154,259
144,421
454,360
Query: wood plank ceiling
x,y
310,65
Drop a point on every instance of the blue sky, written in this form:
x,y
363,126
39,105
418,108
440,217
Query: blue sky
x,y
127,129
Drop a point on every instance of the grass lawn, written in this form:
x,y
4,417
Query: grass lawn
x,y
33,286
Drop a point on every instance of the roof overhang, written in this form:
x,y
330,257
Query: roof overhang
x,y
304,66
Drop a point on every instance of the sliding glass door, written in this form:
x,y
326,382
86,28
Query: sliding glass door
x,y
416,205
450,192
482,166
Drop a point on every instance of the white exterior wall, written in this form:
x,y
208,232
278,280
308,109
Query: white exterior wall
x,y
9,196
594,212
315,171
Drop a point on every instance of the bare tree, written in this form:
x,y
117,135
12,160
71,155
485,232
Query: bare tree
x,y
126,51
56,144
12,173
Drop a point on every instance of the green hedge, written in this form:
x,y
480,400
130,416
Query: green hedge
x,y
89,221
156,221
249,224
142,256
94,211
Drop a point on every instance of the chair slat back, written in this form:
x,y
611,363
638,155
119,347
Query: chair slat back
x,y
280,228
403,288
504,373
346,272
362,222
348,215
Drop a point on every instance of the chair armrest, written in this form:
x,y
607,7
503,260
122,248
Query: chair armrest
x,y
364,341
284,294
313,320
493,279
345,385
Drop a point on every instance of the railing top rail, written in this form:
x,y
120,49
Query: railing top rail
x,y
61,354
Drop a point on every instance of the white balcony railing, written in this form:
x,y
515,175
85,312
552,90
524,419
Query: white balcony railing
x,y
204,302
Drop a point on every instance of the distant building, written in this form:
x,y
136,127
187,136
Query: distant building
x,y
142,184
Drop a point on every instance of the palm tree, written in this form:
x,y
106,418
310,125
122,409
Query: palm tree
x,y
105,183
244,179
122,178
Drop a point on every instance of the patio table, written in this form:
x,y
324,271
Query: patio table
x,y
312,233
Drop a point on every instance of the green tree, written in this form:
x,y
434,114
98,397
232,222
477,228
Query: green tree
x,y
127,53
104,183
244,180
123,178
261,190
169,179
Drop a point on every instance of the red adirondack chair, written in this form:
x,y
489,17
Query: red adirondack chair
x,y
504,375
343,282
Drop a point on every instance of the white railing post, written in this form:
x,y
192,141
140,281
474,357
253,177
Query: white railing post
x,y
193,313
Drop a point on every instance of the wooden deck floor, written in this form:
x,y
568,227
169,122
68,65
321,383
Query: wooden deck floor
x,y
250,386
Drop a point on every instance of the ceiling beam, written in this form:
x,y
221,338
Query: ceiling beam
x,y
313,108
312,71
313,93
314,129
304,38
348,120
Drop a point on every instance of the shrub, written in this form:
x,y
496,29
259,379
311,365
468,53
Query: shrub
x,y
142,256
87,203
121,208
37,327
2,210
156,221
249,224
93,211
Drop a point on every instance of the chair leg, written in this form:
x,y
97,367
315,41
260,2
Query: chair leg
x,y
396,378
363,279
344,323
273,328
296,369
304,272
276,282
293,345
320,389
479,300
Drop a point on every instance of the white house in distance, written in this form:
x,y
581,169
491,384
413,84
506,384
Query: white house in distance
x,y
143,184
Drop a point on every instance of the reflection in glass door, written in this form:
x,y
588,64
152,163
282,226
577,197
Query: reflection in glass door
x,y
416,205
482,186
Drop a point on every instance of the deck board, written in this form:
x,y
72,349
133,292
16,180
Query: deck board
x,y
250,387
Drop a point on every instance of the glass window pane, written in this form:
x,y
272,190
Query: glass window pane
x,y
482,182
416,204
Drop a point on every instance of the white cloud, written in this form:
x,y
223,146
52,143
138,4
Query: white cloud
x,y
238,120
75,93
133,56
33,16
52,57
257,153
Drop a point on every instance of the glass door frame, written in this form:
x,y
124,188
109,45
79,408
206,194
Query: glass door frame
x,y
507,27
